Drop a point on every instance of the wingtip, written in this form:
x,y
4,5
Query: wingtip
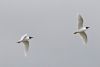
x,y
25,54
25,34
17,42
86,45
75,32
79,14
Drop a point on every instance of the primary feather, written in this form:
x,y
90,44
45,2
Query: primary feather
x,y
80,22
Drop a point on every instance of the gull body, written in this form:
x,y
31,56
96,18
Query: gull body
x,y
82,29
25,40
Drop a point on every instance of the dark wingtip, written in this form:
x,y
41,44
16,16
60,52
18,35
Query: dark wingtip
x,y
75,33
17,42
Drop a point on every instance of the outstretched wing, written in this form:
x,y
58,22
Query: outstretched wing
x,y
84,37
23,37
26,47
80,22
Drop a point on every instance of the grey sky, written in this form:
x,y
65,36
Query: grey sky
x,y
53,23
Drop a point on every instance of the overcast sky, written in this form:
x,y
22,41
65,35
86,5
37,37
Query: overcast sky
x,y
52,23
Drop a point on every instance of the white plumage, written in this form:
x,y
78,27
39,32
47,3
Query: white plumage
x,y
25,39
82,29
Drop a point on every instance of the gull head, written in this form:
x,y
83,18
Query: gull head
x,y
87,27
30,37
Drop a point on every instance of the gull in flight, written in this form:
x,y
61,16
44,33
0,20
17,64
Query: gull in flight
x,y
82,29
25,40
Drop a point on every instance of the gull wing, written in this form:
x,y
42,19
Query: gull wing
x,y
84,37
80,22
23,37
26,47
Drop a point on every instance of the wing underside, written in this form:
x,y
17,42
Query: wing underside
x,y
80,22
26,47
84,37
